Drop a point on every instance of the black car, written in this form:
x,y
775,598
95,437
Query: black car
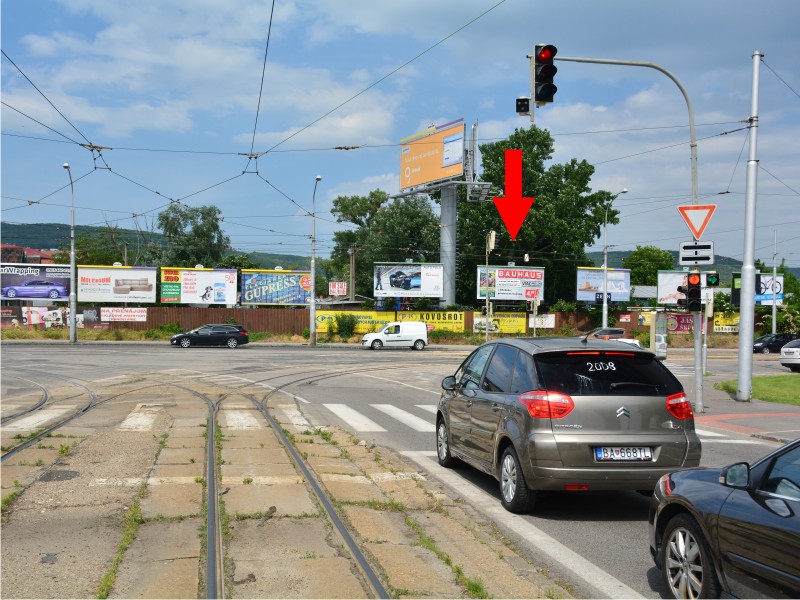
x,y
733,531
212,335
397,278
567,415
773,342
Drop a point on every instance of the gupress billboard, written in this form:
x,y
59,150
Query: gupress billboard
x,y
276,287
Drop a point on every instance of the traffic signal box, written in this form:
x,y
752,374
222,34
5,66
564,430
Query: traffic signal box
x,y
712,279
544,72
694,292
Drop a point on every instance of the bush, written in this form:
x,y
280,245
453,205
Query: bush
x,y
346,325
307,333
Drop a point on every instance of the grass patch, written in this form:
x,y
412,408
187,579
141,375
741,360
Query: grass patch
x,y
781,389
131,521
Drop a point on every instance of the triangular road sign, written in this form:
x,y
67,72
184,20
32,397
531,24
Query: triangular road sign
x,y
697,217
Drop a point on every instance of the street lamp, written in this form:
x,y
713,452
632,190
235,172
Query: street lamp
x,y
605,257
72,303
313,312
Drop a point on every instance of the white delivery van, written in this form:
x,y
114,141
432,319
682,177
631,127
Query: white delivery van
x,y
400,334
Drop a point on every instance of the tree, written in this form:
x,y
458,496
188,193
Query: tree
x,y
645,263
193,234
110,245
564,219
236,261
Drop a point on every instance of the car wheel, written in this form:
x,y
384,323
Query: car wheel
x,y
765,350
232,343
185,342
514,492
419,345
12,293
443,445
686,565
377,345
54,294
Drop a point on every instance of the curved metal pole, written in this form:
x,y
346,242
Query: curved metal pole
x,y
312,326
73,334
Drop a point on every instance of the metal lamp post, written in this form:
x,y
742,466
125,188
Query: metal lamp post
x,y
313,312
605,257
73,337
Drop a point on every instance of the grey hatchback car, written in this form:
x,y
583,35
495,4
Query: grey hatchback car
x,y
565,414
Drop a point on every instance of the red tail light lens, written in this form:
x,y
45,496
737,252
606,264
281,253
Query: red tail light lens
x,y
679,407
542,404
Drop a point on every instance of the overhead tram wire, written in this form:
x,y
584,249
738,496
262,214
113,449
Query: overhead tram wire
x,y
263,72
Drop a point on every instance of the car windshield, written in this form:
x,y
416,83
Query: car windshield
x,y
605,373
763,338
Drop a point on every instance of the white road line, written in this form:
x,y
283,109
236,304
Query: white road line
x,y
707,433
294,415
353,418
413,387
406,418
431,408
580,567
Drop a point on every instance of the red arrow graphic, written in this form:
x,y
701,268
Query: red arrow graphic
x,y
513,208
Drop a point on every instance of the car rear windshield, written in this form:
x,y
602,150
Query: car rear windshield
x,y
593,373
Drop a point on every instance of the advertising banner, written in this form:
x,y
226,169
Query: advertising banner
x,y
726,323
499,322
337,288
510,283
116,284
668,284
22,281
198,286
437,320
680,323
116,313
590,285
545,321
368,320
411,280
769,287
49,317
432,155
276,287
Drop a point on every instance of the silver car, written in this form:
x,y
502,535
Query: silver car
x,y
565,414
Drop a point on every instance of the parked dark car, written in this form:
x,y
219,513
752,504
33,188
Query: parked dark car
x,y
733,531
565,414
412,281
773,342
35,288
212,335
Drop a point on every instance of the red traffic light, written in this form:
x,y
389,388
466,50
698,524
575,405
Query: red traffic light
x,y
545,53
694,279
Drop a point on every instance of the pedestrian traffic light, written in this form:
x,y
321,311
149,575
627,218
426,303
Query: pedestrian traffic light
x,y
694,293
544,72
712,279
523,106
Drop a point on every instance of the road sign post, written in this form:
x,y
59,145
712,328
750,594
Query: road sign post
x,y
696,253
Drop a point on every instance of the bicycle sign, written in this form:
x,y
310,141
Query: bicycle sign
x,y
769,287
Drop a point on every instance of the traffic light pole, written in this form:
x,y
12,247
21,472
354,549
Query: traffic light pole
x,y
698,359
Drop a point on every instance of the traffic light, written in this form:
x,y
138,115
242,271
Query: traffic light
x,y
712,279
523,106
544,72
682,289
694,293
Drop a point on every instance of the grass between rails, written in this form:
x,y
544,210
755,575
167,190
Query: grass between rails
x,y
781,389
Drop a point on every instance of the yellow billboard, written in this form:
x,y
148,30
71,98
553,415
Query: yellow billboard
x,y
432,155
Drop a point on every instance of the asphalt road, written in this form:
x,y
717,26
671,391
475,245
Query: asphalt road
x,y
595,541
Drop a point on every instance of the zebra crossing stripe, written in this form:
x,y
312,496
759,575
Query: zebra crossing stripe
x,y
431,408
354,418
406,418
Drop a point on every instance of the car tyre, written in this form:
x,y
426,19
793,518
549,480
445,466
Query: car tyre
x,y
419,345
12,293
53,294
377,345
765,350
687,568
232,343
185,342
514,492
443,445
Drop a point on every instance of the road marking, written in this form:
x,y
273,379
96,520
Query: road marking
x,y
353,418
406,418
707,433
38,419
581,568
413,387
294,415
431,408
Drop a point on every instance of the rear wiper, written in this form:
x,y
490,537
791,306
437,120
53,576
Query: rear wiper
x,y
613,386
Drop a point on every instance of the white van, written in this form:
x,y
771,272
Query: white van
x,y
399,334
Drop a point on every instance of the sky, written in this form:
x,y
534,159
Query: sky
x,y
241,104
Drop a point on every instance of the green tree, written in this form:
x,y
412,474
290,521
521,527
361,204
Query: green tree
x,y
565,218
193,234
236,261
645,262
109,245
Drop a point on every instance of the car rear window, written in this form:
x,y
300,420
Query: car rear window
x,y
593,373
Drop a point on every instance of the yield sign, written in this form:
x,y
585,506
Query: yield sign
x,y
697,217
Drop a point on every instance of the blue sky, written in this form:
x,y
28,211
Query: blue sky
x,y
172,88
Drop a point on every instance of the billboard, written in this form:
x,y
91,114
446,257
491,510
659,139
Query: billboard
x,y
23,281
668,283
276,287
198,286
432,155
410,280
590,285
116,284
510,283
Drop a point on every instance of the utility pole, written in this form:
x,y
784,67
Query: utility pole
x,y
352,252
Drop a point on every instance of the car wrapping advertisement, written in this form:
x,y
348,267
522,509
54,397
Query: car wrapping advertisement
x,y
116,284
410,280
22,281
276,287
590,285
510,283
198,286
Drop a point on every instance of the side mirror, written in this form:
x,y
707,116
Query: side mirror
x,y
449,383
736,475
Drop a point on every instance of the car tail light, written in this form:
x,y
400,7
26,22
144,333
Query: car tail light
x,y
679,407
576,487
542,404
243,332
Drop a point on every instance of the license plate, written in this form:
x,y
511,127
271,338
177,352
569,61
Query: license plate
x,y
606,453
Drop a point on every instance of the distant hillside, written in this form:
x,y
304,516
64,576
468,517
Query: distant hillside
x,y
50,236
